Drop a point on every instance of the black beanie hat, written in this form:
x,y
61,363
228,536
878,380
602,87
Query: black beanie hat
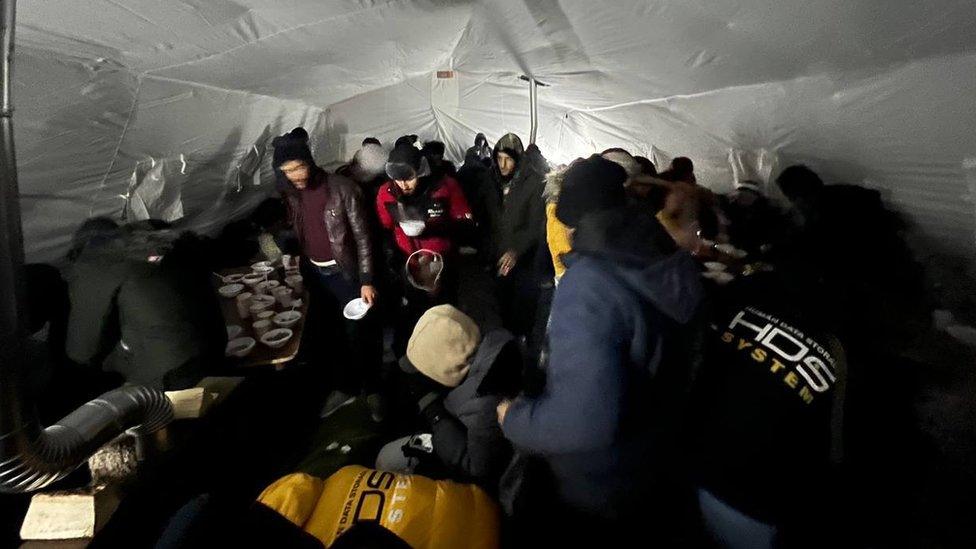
x,y
292,146
435,148
406,162
590,185
408,139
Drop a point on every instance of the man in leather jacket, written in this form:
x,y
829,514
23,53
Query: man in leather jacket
x,y
329,217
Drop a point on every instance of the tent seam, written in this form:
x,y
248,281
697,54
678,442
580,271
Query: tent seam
x,y
228,90
461,35
118,148
272,35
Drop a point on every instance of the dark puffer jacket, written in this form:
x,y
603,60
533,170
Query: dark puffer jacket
x,y
466,435
346,220
163,319
515,206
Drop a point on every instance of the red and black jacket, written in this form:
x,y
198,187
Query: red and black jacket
x,y
439,204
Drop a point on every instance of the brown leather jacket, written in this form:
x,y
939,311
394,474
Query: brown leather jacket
x,y
346,222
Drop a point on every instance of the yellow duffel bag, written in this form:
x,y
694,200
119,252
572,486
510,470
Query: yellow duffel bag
x,y
425,513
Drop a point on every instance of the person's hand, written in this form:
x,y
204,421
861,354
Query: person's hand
x,y
507,262
368,293
502,410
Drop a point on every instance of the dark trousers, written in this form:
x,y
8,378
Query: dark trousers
x,y
518,295
351,349
537,340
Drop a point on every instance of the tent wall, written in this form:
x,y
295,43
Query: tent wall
x,y
201,134
906,131
874,93
86,125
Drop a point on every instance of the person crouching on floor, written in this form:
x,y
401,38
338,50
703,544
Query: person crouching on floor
x,y
458,377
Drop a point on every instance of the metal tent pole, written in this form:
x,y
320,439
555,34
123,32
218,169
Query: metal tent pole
x,y
11,236
12,323
534,106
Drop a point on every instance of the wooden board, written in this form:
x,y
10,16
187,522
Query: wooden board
x,y
262,355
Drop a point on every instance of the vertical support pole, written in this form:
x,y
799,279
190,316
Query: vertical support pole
x,y
12,323
534,106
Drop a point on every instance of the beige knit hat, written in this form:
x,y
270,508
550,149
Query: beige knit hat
x,y
442,343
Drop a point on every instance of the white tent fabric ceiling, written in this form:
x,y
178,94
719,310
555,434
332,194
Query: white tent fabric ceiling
x,y
876,93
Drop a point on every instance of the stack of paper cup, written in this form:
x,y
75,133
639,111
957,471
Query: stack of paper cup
x,y
290,262
244,304
283,295
259,307
296,283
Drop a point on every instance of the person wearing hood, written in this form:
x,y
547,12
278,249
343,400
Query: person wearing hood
x,y
519,207
328,215
458,376
481,149
475,184
517,221
618,374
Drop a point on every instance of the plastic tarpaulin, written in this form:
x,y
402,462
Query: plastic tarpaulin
x,y
875,93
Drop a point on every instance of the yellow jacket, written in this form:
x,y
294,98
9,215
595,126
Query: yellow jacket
x,y
426,514
559,239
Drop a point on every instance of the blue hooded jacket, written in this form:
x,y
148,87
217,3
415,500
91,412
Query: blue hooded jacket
x,y
616,322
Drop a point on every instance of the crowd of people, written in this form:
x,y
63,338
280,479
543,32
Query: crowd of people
x,y
668,363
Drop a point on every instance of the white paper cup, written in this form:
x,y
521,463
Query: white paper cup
x,y
244,304
261,298
257,308
267,287
264,315
233,331
261,327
